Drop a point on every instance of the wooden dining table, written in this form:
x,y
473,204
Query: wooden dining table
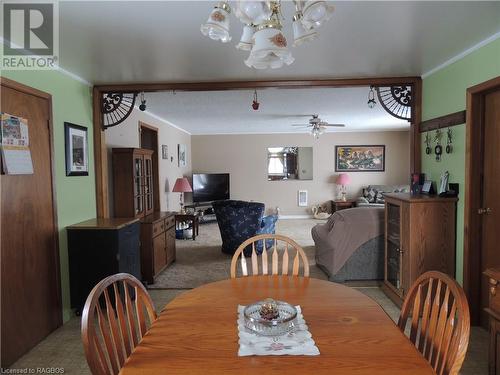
x,y
197,333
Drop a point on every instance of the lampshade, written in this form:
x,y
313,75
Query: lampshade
x,y
343,179
246,42
217,25
182,186
269,49
300,33
316,13
253,12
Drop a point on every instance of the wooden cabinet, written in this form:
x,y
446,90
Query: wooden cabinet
x,y
419,237
99,248
157,244
133,178
493,311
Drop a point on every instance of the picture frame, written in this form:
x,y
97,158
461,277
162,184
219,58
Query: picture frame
x,y
360,158
76,147
182,155
427,187
164,152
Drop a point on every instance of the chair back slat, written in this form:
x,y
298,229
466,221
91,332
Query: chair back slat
x,y
110,336
282,247
113,325
265,264
275,258
255,266
415,315
284,261
122,322
440,328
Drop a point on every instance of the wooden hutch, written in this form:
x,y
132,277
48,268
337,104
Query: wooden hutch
x,y
419,237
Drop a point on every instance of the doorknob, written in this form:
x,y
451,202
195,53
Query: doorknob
x,y
484,211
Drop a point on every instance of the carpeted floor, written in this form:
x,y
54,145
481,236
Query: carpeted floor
x,y
201,261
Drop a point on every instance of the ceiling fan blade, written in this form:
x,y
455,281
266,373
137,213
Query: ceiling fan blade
x,y
304,125
336,125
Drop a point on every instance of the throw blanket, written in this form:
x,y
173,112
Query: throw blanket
x,y
346,231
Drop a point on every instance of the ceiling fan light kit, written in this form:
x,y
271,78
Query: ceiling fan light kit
x,y
262,34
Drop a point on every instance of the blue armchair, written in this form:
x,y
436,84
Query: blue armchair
x,y
240,220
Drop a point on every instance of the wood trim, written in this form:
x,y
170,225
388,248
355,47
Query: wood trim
x,y
244,85
453,119
44,95
473,169
100,155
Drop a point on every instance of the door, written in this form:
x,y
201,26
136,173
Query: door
x,y
30,289
490,210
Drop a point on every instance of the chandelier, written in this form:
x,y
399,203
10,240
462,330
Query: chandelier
x,y
262,34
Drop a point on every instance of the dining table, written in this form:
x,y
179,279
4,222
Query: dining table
x,y
196,333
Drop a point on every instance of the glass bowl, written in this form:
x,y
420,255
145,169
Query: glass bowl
x,y
283,324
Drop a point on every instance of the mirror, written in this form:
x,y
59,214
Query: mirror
x,y
289,163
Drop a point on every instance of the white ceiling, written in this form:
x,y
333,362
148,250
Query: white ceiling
x,y
144,41
230,112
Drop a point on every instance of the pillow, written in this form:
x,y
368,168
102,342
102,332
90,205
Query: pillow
x,y
379,198
362,200
371,194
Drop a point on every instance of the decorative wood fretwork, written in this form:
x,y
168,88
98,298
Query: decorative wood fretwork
x,y
116,107
452,119
397,100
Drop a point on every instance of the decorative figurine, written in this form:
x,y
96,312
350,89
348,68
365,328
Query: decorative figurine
x,y
269,310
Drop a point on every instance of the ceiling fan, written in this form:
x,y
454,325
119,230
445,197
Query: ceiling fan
x,y
318,126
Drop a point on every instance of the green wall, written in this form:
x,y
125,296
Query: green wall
x,y
71,102
444,92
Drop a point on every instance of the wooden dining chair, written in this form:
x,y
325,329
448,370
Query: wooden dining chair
x,y
440,321
116,315
276,240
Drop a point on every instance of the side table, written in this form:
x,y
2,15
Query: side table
x,y
338,205
193,219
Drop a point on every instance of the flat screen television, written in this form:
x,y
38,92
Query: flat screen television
x,y
209,187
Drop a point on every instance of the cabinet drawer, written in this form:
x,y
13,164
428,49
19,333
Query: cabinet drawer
x,y
158,227
169,222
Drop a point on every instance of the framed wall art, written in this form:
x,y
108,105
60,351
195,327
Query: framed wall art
x,y
182,155
76,145
164,151
360,158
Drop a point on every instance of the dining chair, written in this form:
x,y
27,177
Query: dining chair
x,y
440,321
116,315
276,240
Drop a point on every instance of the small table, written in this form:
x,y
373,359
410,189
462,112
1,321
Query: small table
x,y
193,219
338,205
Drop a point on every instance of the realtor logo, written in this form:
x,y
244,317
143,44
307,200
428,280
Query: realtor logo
x,y
30,35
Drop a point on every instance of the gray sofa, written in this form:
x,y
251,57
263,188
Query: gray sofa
x,y
350,245
372,195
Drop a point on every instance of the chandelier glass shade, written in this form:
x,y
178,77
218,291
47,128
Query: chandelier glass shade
x,y
217,25
262,34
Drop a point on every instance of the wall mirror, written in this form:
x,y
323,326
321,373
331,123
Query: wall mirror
x,y
289,163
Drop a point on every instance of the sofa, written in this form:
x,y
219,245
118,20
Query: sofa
x,y
240,220
350,245
372,195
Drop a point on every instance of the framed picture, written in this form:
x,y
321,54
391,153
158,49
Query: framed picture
x,y
75,141
164,151
181,150
360,158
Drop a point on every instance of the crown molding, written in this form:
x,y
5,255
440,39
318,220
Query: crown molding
x,y
462,54
151,114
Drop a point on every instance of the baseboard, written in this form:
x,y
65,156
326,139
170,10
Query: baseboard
x,y
288,217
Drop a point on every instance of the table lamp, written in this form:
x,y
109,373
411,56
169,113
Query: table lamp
x,y
182,186
343,179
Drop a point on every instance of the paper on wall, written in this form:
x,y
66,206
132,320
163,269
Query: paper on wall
x,y
16,155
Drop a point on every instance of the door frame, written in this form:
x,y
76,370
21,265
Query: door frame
x,y
14,85
474,150
156,163
100,150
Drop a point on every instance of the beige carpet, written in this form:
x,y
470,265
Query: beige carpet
x,y
201,261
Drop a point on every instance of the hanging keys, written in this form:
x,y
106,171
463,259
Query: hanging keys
x,y
449,145
438,150
428,149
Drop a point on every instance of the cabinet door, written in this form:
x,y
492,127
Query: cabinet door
x,y
148,184
139,185
170,235
393,252
159,254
